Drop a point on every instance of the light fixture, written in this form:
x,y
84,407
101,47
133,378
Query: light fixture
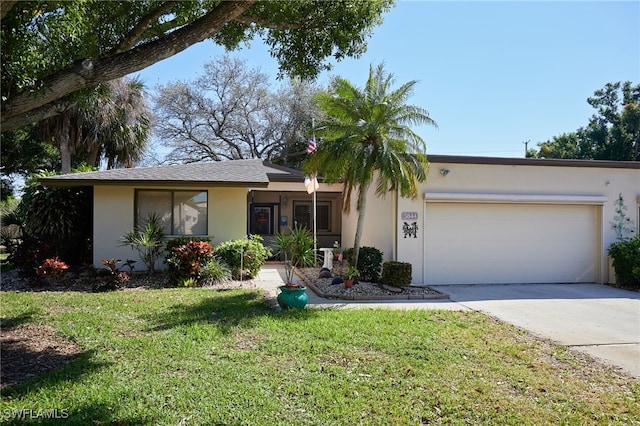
x,y
444,171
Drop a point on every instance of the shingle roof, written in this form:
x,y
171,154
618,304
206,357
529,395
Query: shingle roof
x,y
223,173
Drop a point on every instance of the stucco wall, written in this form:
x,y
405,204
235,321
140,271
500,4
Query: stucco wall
x,y
380,214
559,182
114,216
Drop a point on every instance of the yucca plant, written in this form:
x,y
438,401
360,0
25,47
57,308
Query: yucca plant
x,y
297,249
147,240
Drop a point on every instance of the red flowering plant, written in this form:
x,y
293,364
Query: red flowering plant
x,y
186,260
52,268
119,276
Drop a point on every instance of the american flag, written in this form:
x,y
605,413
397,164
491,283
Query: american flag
x,y
312,146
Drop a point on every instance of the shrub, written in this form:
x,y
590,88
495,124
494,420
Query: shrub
x,y
185,260
30,254
187,282
62,216
244,257
214,271
396,273
369,263
53,268
626,261
147,240
117,277
180,241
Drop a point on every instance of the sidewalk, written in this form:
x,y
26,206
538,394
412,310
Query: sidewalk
x,y
271,276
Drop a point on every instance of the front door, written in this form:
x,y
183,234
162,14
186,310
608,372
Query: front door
x,y
262,219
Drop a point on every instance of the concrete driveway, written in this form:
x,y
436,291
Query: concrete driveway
x,y
601,321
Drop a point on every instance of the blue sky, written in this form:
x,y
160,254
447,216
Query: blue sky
x,y
492,74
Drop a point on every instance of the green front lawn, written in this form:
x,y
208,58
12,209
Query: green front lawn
x,y
197,356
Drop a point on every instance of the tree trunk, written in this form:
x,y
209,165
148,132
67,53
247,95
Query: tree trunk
x,y
361,206
64,143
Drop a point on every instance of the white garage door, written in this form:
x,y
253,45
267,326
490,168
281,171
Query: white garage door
x,y
474,243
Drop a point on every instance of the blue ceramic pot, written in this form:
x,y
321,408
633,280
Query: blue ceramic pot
x,y
291,297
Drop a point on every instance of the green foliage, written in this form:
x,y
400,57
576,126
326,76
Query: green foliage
x,y
214,271
352,273
626,261
42,39
10,224
24,153
613,133
186,260
187,282
296,247
369,263
244,257
368,131
61,216
147,240
622,223
396,273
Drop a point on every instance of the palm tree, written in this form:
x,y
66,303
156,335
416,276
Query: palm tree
x,y
110,121
118,127
367,131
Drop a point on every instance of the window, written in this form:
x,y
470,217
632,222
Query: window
x,y
303,215
181,212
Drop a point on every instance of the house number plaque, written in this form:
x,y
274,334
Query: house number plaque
x,y
410,224
409,215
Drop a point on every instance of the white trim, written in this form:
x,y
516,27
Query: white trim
x,y
454,197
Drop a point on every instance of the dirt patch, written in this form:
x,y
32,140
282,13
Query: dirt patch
x,y
29,350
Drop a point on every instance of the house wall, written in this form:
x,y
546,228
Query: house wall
x,y
383,221
114,216
380,217
559,183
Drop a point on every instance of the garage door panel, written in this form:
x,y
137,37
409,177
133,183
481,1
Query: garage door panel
x,y
470,243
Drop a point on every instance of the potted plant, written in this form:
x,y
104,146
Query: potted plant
x,y
296,247
350,276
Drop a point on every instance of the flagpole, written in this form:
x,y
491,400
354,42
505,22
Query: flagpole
x,y
315,238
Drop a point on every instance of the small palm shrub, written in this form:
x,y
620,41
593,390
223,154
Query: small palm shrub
x,y
147,240
369,263
297,249
244,257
